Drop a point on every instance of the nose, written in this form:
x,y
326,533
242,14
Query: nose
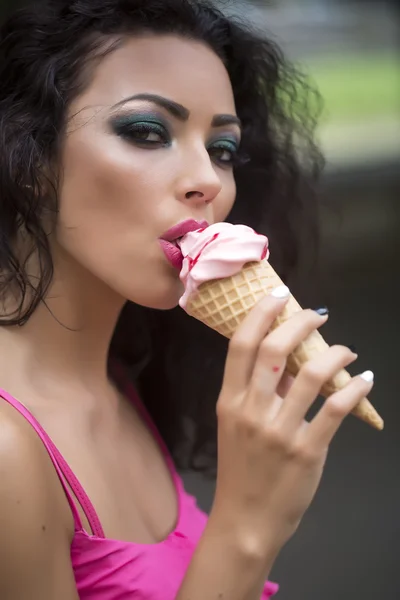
x,y
199,183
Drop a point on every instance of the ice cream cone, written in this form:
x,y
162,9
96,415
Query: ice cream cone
x,y
222,304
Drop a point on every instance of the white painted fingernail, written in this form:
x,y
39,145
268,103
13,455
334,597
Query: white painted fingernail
x,y
281,292
368,376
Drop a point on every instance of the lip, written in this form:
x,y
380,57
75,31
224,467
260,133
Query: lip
x,y
171,250
178,231
173,254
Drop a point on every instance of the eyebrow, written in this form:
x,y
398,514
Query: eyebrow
x,y
178,111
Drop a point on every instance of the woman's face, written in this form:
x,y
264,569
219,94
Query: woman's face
x,y
146,148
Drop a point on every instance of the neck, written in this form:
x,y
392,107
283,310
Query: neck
x,y
65,343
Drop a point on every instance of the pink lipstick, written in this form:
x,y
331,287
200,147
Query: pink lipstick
x,y
168,243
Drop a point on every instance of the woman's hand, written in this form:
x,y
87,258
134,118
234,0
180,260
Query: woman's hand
x,y
270,460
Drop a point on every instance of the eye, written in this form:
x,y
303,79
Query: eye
x,y
226,155
224,152
150,134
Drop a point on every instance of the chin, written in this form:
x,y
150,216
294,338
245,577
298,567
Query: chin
x,y
164,303
163,297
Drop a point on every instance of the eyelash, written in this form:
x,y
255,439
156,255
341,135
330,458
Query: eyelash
x,y
237,157
129,132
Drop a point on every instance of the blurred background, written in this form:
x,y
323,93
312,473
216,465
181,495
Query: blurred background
x,y
348,546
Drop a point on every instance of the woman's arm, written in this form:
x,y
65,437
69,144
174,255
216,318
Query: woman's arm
x,y
227,566
35,561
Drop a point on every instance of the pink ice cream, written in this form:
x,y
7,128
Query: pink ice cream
x,y
216,252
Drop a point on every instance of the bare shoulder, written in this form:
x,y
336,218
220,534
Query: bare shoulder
x,y
34,544
26,470
18,441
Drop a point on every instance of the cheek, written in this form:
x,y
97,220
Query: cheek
x,y
96,173
103,184
225,202
100,212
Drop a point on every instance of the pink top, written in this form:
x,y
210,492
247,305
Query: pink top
x,y
112,570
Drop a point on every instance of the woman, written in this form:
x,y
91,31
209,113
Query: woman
x,y
120,119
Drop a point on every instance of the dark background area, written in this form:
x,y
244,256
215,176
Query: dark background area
x,y
348,546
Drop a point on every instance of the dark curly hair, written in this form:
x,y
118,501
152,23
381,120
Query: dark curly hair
x,y
46,54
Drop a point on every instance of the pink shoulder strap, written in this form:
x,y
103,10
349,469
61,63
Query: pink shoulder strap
x,y
63,470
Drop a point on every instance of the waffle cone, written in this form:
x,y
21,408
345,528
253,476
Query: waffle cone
x,y
223,304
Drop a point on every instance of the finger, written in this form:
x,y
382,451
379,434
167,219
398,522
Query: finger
x,y
244,345
274,350
285,385
336,408
308,383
